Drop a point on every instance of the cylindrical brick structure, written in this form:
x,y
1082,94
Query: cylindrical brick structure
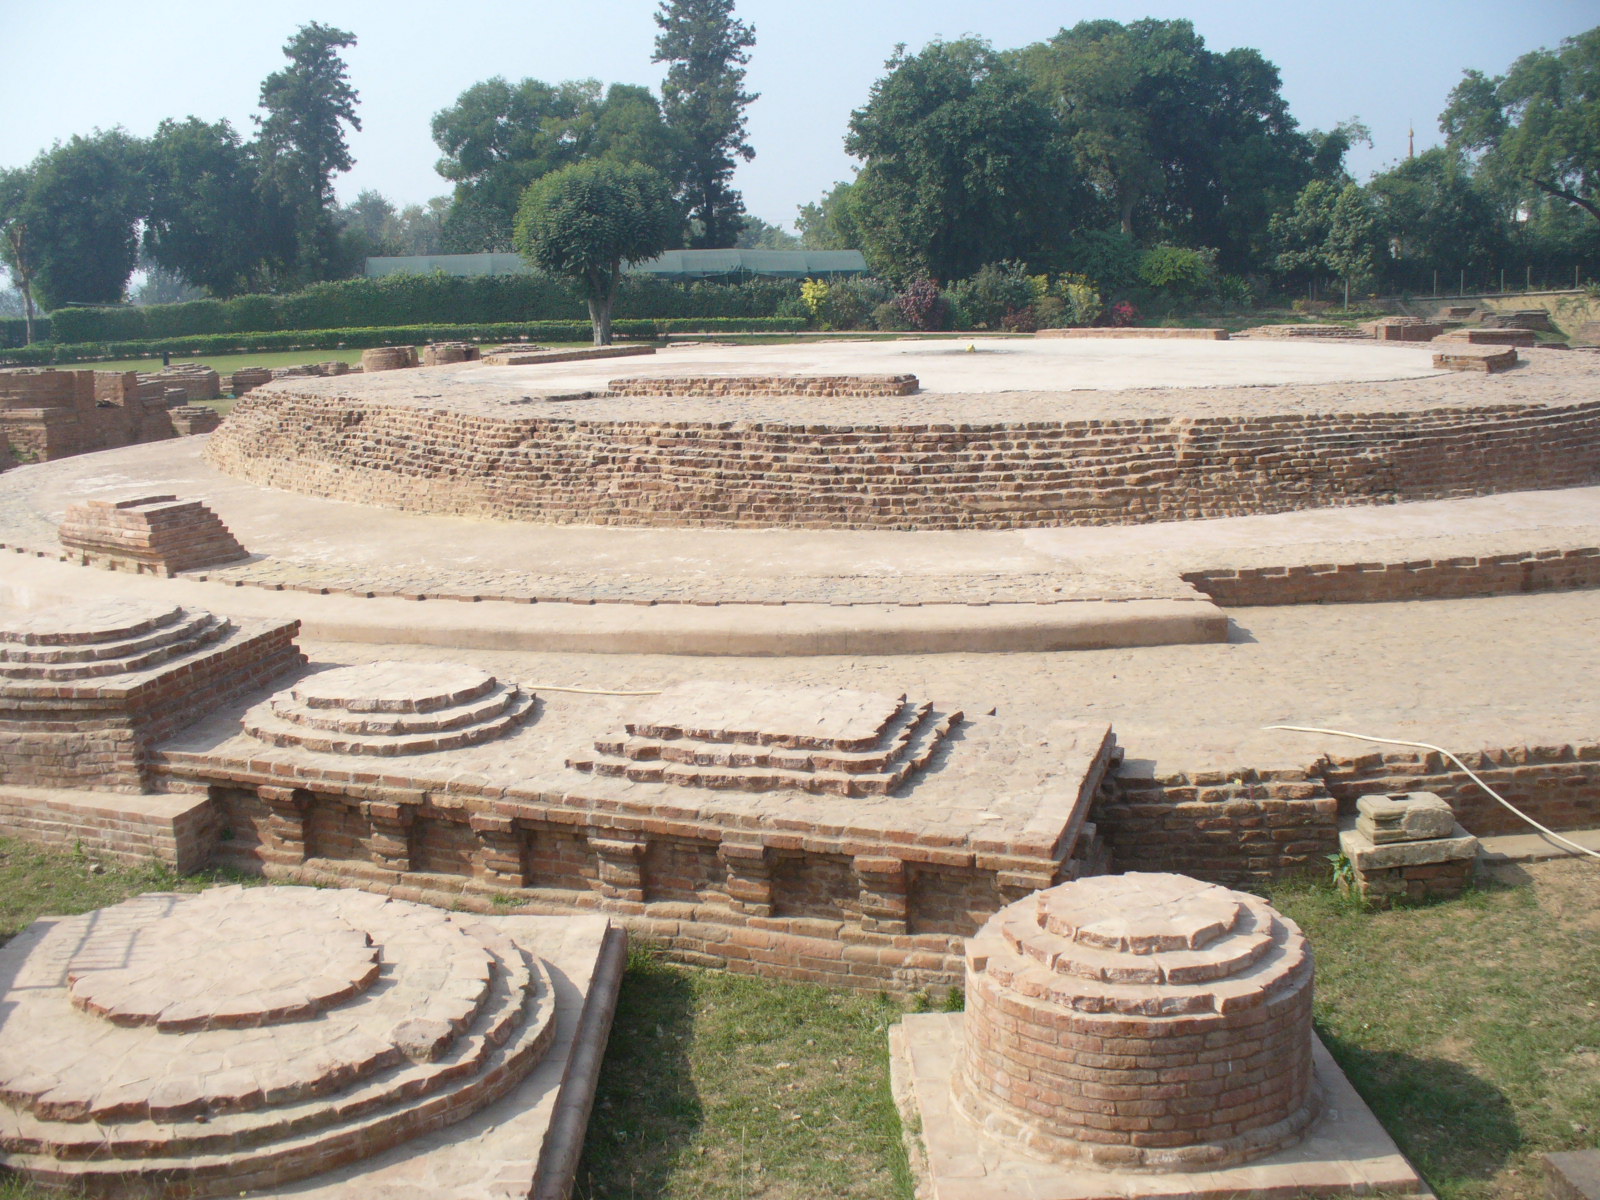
x,y
388,358
1143,1021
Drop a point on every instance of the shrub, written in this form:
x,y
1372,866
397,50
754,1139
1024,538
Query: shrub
x,y
1123,313
984,299
1051,312
888,317
1111,259
1184,272
923,306
850,302
815,293
1083,303
395,300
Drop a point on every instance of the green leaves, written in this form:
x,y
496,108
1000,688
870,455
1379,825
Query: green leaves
x,y
584,221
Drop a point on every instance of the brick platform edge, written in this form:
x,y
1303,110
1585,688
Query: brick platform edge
x,y
1245,826
827,476
1413,579
1205,335
178,830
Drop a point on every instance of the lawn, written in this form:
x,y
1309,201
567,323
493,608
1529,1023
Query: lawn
x,y
1472,1027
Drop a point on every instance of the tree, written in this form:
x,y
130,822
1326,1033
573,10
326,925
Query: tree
x,y
206,219
704,102
15,248
499,137
962,165
1178,141
587,220
1536,128
759,235
1437,218
830,224
302,141
80,216
1330,228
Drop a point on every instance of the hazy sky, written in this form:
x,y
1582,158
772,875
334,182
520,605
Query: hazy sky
x,y
73,65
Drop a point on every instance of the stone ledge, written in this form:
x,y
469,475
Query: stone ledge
x,y
1364,856
1135,331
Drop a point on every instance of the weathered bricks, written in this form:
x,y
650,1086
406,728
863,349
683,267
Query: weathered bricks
x,y
977,475
158,534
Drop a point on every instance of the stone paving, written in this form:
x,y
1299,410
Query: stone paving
x,y
240,1038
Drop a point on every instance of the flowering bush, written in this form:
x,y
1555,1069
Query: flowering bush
x,y
1123,313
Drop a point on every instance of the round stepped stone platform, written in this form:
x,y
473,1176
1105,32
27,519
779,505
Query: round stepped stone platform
x,y
390,708
100,638
240,1038
1147,1021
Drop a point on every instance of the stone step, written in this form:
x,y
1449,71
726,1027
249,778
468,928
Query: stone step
x,y
86,623
174,632
263,723
492,704
892,744
920,748
163,645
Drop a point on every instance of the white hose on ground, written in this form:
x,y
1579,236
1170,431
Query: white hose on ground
x,y
1363,737
550,687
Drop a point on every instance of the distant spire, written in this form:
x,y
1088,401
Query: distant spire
x,y
1411,142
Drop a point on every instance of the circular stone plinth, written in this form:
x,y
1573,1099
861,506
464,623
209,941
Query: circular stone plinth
x,y
393,687
1026,434
1147,1021
390,708
222,961
86,623
423,1017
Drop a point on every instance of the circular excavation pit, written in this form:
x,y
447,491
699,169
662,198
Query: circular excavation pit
x,y
242,1038
1025,433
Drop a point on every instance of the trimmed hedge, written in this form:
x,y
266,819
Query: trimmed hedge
x,y
404,300
386,335
14,331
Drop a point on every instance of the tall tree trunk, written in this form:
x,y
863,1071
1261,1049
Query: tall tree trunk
x,y
1127,215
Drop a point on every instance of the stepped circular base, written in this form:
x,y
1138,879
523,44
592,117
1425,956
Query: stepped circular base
x,y
100,638
1145,1021
239,1037
390,708
1064,432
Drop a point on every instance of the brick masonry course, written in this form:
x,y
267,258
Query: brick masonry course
x,y
50,414
489,461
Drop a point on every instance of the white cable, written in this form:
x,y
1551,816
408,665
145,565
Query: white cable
x,y
550,687
1362,737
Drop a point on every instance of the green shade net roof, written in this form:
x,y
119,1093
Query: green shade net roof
x,y
674,264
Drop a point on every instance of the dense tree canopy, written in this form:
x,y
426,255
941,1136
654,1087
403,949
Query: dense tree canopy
x,y
16,247
206,218
586,221
499,137
1536,128
1437,219
1178,141
962,164
704,100
302,141
81,211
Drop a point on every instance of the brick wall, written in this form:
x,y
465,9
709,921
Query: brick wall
x,y
967,476
52,414
180,829
1412,579
766,385
1243,826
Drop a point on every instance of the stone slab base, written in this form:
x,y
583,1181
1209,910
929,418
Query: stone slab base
x,y
1573,1175
1346,1152
527,1143
1133,331
177,829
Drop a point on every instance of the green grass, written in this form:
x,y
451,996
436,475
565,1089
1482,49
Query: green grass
x,y
1472,1027
721,1086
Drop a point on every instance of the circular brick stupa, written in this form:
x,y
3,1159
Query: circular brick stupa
x,y
207,1044
1142,1021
